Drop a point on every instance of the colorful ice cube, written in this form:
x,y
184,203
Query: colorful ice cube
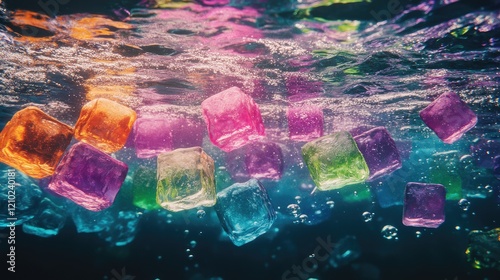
x,y
186,179
105,124
305,123
449,117
264,160
144,188
424,205
152,136
444,171
34,142
260,160
88,177
48,221
233,119
155,135
335,161
379,151
484,151
245,211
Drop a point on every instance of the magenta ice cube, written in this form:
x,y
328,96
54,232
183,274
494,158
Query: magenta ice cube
x,y
259,160
379,150
156,135
484,151
187,132
449,117
152,136
233,119
424,205
88,177
305,123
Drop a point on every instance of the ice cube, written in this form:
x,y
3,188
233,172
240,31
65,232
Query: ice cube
x,y
48,221
424,205
155,135
484,152
449,117
186,179
90,221
305,123
379,151
123,230
259,160
105,124
34,142
335,161
144,188
444,171
21,188
88,177
483,250
245,211
232,118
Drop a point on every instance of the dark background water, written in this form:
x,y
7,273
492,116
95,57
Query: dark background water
x,y
407,60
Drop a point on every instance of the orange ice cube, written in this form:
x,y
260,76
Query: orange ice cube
x,y
105,124
34,142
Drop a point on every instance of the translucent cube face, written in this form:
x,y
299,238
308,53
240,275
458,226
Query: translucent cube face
x,y
496,166
34,142
260,160
155,135
424,205
245,211
232,118
144,188
449,117
48,221
305,123
444,171
105,124
152,136
186,179
335,161
379,151
88,177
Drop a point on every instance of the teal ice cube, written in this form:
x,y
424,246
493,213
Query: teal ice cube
x,y
334,161
245,211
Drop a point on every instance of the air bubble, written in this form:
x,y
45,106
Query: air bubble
x,y
389,232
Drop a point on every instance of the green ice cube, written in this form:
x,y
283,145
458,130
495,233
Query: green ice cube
x,y
444,171
144,188
335,161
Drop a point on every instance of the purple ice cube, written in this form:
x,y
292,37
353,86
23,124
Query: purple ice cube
x,y
264,160
88,177
260,160
449,117
233,119
424,205
484,152
379,150
152,136
305,123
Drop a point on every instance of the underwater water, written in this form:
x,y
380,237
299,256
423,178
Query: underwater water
x,y
362,64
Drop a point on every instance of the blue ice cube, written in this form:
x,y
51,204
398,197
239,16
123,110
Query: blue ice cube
x,y
245,211
91,221
123,230
48,221
17,188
